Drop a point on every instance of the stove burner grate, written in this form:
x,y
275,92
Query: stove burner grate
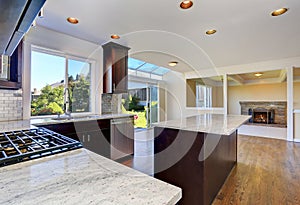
x,y
22,145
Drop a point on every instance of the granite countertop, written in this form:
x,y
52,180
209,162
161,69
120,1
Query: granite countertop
x,y
49,120
208,123
27,124
15,125
81,177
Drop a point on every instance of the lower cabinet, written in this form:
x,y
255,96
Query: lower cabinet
x,y
111,138
95,141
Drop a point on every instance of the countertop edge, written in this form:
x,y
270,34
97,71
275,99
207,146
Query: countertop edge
x,y
210,130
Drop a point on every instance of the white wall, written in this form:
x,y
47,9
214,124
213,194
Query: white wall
x,y
175,88
68,45
175,85
257,92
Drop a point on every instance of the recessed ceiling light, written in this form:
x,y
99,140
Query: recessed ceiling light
x,y
173,63
115,36
210,32
72,20
279,12
258,74
186,4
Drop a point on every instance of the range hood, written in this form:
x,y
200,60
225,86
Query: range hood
x,y
16,18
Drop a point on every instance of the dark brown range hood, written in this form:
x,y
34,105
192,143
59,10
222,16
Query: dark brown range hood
x,y
16,18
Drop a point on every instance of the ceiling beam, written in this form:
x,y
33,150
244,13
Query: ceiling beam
x,y
237,78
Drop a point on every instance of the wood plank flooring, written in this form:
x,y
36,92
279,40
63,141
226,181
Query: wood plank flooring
x,y
267,172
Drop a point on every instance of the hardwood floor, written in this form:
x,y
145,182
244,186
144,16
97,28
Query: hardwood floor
x,y
267,172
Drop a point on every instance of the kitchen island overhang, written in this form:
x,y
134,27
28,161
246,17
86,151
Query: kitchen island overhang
x,y
81,177
196,153
78,177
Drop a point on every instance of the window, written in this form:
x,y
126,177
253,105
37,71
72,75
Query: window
x,y
59,84
203,95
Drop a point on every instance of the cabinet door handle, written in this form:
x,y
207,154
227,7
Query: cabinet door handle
x,y
88,138
82,138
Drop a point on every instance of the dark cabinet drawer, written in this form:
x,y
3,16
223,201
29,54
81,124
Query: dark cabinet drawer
x,y
61,128
91,125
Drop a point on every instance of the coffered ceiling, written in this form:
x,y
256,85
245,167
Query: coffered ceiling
x,y
246,32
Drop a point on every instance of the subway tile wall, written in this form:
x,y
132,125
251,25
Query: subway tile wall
x,y
11,105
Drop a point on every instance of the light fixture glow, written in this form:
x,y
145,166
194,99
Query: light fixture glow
x,y
115,36
173,63
258,74
279,12
210,32
72,20
186,4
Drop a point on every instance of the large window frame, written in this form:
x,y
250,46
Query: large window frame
x,y
67,57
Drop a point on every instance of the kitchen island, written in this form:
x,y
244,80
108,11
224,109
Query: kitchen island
x,y
197,154
81,177
78,177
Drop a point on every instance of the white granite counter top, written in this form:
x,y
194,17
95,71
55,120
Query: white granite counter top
x,y
209,123
49,120
15,125
81,177
27,124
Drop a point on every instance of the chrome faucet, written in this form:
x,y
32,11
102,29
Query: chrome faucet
x,y
67,102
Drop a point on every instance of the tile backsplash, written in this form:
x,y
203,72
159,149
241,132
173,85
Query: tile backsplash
x,y
111,103
11,105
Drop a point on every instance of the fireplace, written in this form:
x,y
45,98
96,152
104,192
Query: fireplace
x,y
262,115
265,113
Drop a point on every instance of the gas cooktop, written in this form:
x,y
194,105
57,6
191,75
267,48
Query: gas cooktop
x,y
22,145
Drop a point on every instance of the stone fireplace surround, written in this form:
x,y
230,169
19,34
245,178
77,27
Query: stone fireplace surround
x,y
279,108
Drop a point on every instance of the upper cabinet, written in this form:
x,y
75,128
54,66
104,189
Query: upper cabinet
x,y
115,68
11,70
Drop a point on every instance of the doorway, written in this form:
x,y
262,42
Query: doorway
x,y
142,100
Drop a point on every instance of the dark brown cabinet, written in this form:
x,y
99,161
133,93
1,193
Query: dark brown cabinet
x,y
95,141
111,138
14,77
185,159
115,68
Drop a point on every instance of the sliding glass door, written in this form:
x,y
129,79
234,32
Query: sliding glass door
x,y
142,101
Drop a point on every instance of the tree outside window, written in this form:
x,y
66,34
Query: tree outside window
x,y
49,82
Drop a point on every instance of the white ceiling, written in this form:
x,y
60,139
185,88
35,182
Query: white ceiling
x,y
247,33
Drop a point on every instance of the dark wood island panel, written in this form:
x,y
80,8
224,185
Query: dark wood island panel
x,y
177,160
